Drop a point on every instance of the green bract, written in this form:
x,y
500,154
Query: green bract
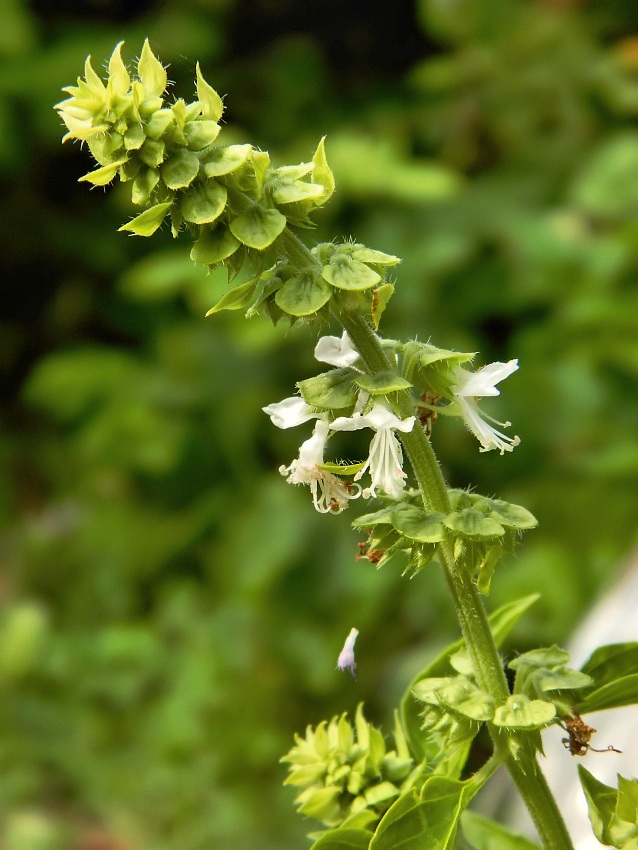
x,y
346,773
170,154
613,813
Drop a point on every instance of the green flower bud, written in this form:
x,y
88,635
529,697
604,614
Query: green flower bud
x,y
343,770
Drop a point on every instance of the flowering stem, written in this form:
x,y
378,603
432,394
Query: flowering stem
x,y
470,610
469,606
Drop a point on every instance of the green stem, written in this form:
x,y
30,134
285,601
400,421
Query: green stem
x,y
479,640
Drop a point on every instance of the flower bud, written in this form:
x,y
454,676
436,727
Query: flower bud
x,y
343,770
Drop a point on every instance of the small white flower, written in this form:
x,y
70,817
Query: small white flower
x,y
329,493
336,351
290,412
471,386
385,460
346,660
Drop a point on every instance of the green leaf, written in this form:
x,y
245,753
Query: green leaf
x,y
519,712
377,258
471,522
562,680
429,354
290,193
180,170
416,524
551,656
158,124
331,390
380,298
321,172
119,79
221,160
303,295
382,383
403,822
147,222
343,839
620,692
258,227
457,694
151,72
601,801
212,106
509,515
213,246
613,661
146,180
347,273
203,203
431,823
236,298
102,176
484,834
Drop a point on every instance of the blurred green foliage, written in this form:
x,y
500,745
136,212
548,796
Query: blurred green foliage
x,y
171,612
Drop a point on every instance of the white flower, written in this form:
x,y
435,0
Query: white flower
x,y
329,493
346,659
290,412
471,386
336,351
385,460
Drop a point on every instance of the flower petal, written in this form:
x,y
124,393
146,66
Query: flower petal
x,y
290,412
336,351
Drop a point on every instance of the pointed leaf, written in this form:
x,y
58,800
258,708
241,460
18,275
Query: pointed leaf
x,y
104,175
380,297
151,72
429,354
382,383
601,802
212,106
615,694
237,298
322,172
119,79
147,223
613,661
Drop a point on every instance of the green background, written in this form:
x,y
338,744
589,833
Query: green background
x,y
171,611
